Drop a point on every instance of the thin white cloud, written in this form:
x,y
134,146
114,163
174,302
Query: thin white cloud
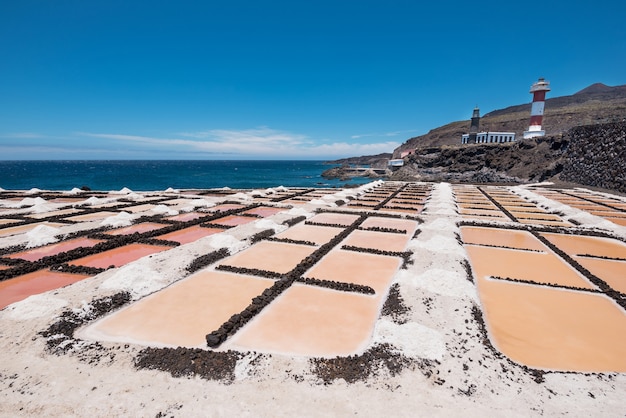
x,y
260,142
23,135
386,134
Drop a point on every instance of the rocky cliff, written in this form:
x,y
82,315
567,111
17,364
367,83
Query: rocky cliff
x,y
593,155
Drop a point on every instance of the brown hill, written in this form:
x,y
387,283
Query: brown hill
x,y
595,104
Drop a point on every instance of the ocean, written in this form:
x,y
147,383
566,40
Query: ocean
x,y
142,175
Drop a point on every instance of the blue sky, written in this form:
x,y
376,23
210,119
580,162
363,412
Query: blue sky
x,y
242,79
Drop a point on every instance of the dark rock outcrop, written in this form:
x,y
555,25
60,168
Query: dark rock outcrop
x,y
597,156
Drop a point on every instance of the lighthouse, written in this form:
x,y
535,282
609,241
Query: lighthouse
x,y
474,125
538,90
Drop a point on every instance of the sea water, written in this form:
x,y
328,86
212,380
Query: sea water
x,y
145,175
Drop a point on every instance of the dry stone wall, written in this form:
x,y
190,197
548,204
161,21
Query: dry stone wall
x,y
597,156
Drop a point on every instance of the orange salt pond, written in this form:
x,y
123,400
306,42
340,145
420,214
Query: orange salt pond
x,y
118,256
523,265
272,256
191,234
138,228
311,321
19,288
554,329
316,234
182,314
396,223
613,272
579,245
501,238
35,254
364,269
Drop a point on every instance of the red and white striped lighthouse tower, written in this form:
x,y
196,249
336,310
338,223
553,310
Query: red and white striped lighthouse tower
x,y
538,90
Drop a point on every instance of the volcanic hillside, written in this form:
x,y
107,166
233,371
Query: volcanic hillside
x,y
596,104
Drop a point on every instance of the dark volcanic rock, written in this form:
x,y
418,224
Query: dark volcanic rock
x,y
597,156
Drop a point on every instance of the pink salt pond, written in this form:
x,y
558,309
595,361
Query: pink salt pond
x,y
311,321
225,207
377,240
335,219
182,314
186,217
35,254
21,287
264,211
118,256
191,234
233,220
137,228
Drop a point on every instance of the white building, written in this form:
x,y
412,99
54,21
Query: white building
x,y
490,137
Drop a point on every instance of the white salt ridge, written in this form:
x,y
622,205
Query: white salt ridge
x,y
35,306
44,207
93,201
257,193
411,339
438,244
444,282
124,190
27,201
164,210
241,196
585,219
136,278
232,244
441,224
74,191
116,221
443,211
170,190
269,224
300,212
243,366
135,196
34,190
42,235
85,310
322,202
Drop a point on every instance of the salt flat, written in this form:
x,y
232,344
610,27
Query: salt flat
x,y
364,301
